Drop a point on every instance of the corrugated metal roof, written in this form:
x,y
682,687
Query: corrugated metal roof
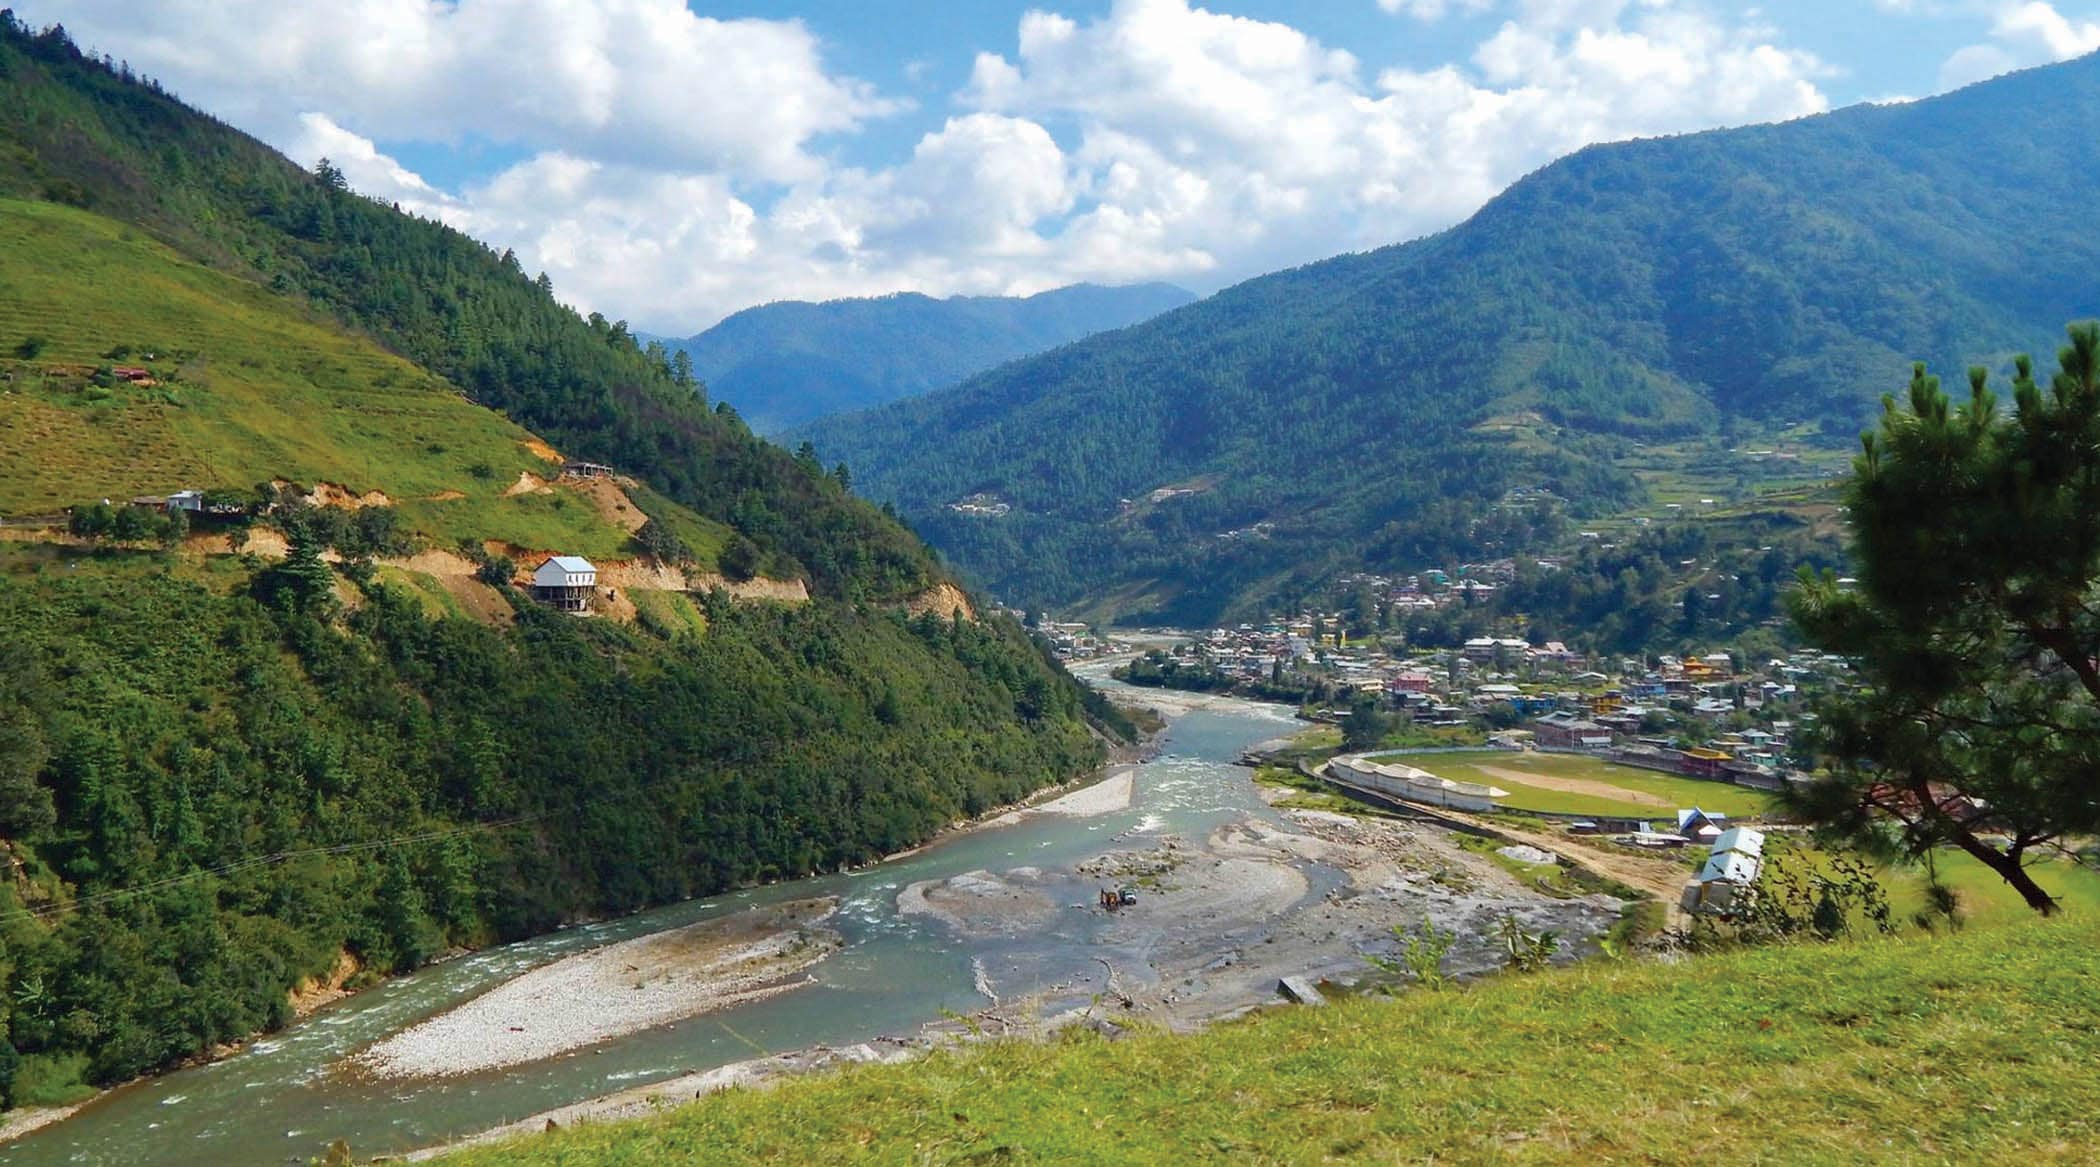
x,y
572,563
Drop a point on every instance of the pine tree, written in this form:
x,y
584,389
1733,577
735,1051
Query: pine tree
x,y
1974,625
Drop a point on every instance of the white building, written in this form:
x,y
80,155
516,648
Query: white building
x,y
565,582
1412,784
1738,859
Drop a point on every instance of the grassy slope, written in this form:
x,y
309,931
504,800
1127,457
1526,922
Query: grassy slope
x,y
1720,797
1976,1047
253,389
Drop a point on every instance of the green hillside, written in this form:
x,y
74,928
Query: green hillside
x,y
76,131
1975,1047
790,363
249,389
1699,293
224,775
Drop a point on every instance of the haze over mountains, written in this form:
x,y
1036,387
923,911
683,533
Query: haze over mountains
x,y
1374,409
789,363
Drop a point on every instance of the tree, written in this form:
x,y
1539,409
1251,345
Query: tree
x,y
740,558
1365,725
1974,625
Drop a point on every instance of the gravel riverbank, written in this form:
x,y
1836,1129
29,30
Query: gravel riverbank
x,y
612,991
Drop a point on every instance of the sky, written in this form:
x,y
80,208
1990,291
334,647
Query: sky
x,y
670,162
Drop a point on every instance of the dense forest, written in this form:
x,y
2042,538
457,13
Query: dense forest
x,y
219,774
80,130
207,797
789,363
1363,411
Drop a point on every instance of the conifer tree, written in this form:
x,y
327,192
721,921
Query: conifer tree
x,y
1974,625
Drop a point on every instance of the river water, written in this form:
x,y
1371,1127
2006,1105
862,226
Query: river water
x,y
285,1098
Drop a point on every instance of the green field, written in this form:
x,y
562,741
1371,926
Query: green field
x,y
1975,1047
250,389
1588,786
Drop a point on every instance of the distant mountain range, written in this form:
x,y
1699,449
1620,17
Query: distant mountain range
x,y
1378,410
789,363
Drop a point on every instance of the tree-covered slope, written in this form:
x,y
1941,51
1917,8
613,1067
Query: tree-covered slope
x,y
1371,409
790,363
74,129
224,774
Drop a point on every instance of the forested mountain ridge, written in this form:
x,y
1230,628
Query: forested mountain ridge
x,y
1374,409
228,770
789,363
75,130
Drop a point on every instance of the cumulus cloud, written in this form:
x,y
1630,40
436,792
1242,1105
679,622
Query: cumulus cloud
x,y
675,171
2021,34
642,81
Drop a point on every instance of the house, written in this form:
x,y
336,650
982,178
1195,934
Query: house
x,y
1737,860
1704,763
186,500
586,470
1570,735
1701,827
565,582
133,374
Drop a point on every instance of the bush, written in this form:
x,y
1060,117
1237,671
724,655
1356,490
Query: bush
x,y
496,571
29,347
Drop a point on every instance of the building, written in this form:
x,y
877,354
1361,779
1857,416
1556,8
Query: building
x,y
1737,860
1570,735
1414,785
565,582
586,470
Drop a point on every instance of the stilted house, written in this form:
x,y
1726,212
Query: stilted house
x,y
565,582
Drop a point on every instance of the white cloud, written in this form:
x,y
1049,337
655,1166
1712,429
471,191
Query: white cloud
x,y
674,172
2021,34
1433,10
643,81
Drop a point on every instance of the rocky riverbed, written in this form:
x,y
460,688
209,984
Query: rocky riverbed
x,y
619,989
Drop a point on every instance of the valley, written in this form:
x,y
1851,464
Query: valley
x,y
1542,656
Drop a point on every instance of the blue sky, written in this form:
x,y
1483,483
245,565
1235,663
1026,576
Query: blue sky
x,y
668,163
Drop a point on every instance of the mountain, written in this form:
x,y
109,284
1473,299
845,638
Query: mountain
x,y
785,364
314,730
1385,410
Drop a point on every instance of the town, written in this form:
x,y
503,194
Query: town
x,y
1722,714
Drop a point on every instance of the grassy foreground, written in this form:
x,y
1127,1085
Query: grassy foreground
x,y
1981,1046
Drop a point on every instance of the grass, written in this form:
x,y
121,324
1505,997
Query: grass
x,y
1975,1047
669,614
252,388
436,601
1313,794
52,1080
1676,792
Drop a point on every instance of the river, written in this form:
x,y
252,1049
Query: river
x,y
284,1098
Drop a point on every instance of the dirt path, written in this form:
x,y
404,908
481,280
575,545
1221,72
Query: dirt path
x,y
1586,787
1662,878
